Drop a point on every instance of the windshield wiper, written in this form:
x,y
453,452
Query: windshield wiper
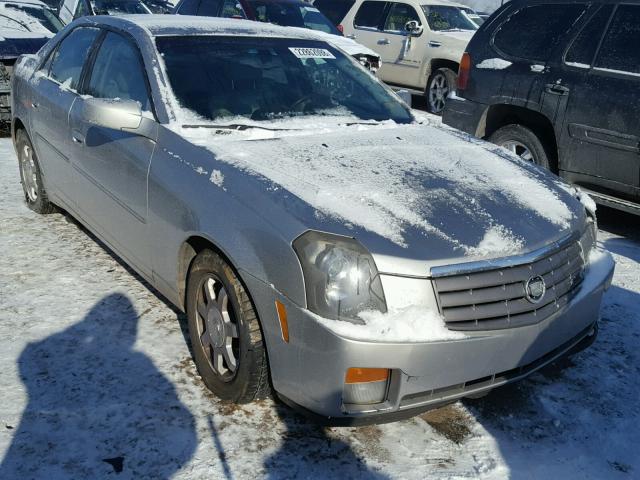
x,y
238,126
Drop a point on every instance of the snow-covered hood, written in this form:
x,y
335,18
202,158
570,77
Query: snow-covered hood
x,y
415,191
458,39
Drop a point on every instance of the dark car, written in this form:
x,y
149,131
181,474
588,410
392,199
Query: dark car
x,y
334,10
25,26
558,83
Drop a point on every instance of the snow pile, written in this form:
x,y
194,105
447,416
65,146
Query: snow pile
x,y
413,323
498,239
494,64
537,68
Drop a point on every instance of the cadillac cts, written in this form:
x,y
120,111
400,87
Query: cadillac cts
x,y
324,241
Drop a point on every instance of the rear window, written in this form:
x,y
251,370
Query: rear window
x,y
370,14
619,49
583,49
532,33
334,10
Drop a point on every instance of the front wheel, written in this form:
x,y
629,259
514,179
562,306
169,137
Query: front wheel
x,y
522,142
440,84
31,176
227,342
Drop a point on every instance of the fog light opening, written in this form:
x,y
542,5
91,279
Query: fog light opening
x,y
365,386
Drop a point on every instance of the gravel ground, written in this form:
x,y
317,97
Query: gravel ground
x,y
97,381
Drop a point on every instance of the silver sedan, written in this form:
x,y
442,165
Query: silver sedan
x,y
326,243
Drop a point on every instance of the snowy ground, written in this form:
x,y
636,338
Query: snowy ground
x,y
96,377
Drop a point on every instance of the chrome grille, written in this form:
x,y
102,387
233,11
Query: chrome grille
x,y
494,298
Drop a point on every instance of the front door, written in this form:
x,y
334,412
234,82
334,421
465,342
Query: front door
x,y
600,147
57,82
113,164
402,54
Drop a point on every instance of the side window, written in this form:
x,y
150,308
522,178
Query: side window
x,y
619,49
399,15
118,72
232,9
532,33
370,14
209,8
188,7
584,47
69,58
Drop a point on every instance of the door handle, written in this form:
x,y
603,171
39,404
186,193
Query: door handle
x,y
434,44
384,41
77,137
351,36
556,89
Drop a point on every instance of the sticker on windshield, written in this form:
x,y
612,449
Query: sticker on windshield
x,y
311,52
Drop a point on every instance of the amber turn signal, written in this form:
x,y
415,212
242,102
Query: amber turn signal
x,y
365,375
282,317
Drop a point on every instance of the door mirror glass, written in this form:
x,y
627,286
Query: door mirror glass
x,y
114,114
412,27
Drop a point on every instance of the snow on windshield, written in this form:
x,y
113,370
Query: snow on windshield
x,y
16,17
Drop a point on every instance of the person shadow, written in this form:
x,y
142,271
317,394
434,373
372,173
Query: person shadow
x,y
96,406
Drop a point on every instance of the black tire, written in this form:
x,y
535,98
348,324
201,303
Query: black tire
x,y
448,77
516,138
31,176
250,379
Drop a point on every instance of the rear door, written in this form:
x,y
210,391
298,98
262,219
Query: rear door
x,y
527,43
600,145
54,93
113,164
367,25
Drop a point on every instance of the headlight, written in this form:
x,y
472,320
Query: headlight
x,y
341,278
588,238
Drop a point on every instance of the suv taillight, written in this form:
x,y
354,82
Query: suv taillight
x,y
340,28
464,72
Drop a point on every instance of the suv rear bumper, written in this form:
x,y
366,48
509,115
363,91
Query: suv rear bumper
x,y
309,371
463,114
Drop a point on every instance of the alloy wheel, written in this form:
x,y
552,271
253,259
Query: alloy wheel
x,y
438,92
519,149
217,328
29,175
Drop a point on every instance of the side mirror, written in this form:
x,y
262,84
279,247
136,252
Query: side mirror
x,y
413,28
114,114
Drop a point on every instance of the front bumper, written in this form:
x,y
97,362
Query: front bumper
x,y
309,371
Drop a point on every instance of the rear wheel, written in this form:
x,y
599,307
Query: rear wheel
x,y
31,175
440,84
227,342
522,142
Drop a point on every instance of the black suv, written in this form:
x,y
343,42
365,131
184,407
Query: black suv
x,y
558,83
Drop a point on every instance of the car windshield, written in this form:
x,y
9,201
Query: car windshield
x,y
292,15
272,78
118,7
30,18
444,18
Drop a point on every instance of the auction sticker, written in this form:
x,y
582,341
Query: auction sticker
x,y
311,52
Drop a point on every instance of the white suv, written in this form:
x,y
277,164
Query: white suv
x,y
420,42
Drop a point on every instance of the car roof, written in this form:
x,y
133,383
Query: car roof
x,y
26,2
166,25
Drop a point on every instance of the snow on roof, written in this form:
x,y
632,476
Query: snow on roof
x,y
159,25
